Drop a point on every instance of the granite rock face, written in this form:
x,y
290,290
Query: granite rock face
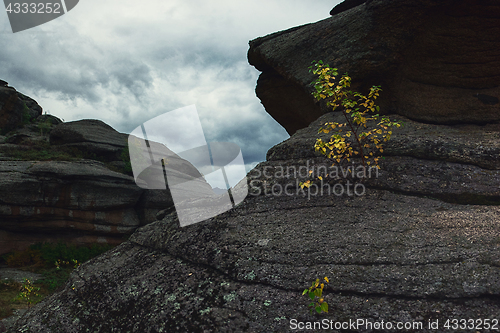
x,y
420,243
69,181
15,108
437,61
415,242
80,202
90,136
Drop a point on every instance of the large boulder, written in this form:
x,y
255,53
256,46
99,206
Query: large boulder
x,y
48,192
416,242
16,109
91,136
346,5
80,202
431,68
459,164
419,244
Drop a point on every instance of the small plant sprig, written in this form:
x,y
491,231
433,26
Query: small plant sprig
x,y
28,292
357,110
59,263
316,291
44,127
308,182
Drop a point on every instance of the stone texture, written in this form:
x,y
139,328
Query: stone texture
x,y
437,61
34,110
420,244
15,108
10,104
76,200
81,200
346,5
389,257
90,136
459,163
48,118
467,144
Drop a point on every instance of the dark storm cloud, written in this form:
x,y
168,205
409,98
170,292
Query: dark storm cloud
x,y
253,137
130,61
69,64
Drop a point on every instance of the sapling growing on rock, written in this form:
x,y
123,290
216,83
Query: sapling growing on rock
x,y
28,292
315,293
353,138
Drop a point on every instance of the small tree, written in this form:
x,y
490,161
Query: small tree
x,y
28,292
358,110
44,127
316,291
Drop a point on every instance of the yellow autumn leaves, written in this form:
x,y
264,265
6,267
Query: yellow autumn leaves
x,y
316,291
358,111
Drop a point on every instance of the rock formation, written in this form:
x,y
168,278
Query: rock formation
x,y
415,243
90,136
431,68
346,5
81,202
69,181
421,244
15,108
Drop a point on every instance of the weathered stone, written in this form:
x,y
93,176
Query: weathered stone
x,y
90,136
82,200
388,257
459,163
17,139
10,109
430,67
420,243
466,144
55,198
34,110
346,5
48,118
16,109
154,201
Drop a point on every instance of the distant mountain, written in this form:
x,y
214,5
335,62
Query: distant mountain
x,y
219,191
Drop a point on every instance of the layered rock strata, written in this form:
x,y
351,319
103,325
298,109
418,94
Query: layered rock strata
x,y
69,181
415,243
437,61
419,245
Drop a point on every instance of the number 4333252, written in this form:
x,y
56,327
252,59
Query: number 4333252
x,y
34,8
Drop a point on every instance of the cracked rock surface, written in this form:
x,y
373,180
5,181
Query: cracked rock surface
x,y
421,244
437,61
388,257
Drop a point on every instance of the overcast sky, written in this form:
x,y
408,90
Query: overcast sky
x,y
125,62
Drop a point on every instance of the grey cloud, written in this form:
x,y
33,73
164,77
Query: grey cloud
x,y
71,69
127,67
